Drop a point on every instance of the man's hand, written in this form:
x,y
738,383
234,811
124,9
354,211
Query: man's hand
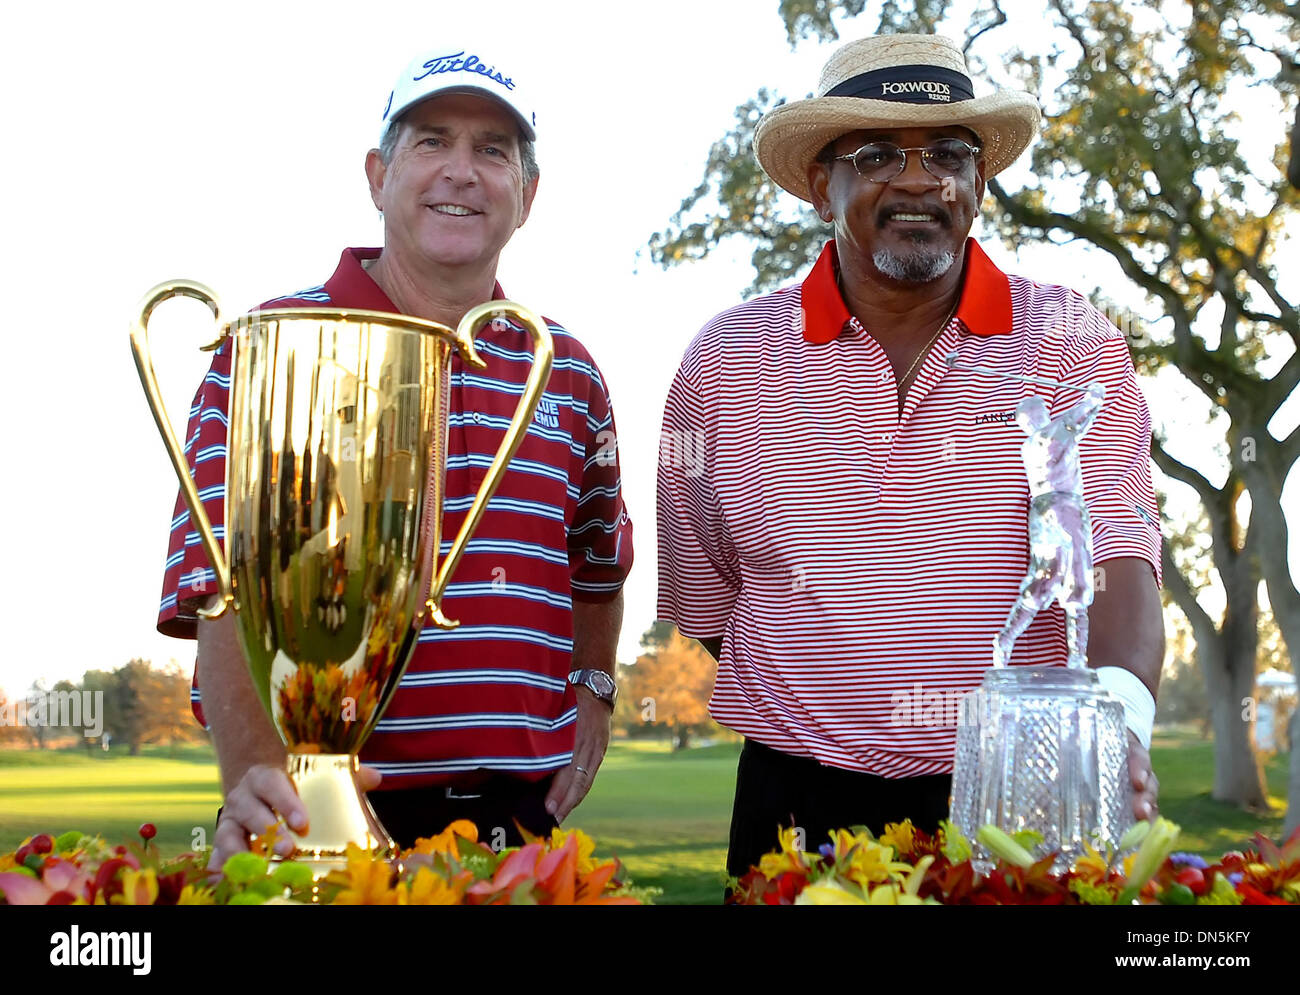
x,y
1145,784
263,797
595,639
591,739
1128,630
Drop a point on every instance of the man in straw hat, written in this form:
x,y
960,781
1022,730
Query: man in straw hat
x,y
856,532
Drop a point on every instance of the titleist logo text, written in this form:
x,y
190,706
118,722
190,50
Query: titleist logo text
x,y
460,63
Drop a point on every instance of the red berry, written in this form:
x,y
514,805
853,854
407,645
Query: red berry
x,y
43,843
22,853
148,831
119,850
1193,879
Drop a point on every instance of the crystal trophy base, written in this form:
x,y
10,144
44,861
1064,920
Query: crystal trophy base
x,y
1043,748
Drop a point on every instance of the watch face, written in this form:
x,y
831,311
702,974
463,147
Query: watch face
x,y
603,683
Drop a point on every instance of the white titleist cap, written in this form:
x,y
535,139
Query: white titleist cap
x,y
458,70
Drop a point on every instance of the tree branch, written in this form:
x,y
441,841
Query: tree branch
x,y
1192,355
1183,595
1280,386
999,19
1209,494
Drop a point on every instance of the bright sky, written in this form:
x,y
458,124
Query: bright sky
x,y
145,142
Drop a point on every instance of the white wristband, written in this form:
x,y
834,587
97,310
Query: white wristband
x,y
1139,706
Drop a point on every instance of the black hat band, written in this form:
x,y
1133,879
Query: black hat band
x,y
909,85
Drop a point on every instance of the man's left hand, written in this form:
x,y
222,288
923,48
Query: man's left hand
x,y
591,739
1145,784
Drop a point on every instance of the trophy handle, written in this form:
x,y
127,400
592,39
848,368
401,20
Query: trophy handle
x,y
543,354
149,380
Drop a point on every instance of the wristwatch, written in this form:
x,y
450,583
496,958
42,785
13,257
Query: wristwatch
x,y
597,682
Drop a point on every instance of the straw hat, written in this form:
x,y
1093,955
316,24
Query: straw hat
x,y
892,81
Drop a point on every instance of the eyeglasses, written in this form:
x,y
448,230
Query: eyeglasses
x,y
880,162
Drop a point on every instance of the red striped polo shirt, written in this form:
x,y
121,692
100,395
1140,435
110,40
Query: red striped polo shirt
x,y
857,562
491,694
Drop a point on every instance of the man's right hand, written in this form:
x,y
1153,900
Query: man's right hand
x,y
263,797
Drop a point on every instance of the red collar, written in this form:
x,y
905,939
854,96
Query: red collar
x,y
984,308
352,286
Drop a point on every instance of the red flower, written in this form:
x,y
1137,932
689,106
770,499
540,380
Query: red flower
x,y
1253,896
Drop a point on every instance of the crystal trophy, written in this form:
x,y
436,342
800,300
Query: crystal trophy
x,y
1046,748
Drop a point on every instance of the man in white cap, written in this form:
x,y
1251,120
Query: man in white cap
x,y
857,531
506,718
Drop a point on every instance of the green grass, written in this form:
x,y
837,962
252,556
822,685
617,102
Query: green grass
x,y
110,794
1185,766
664,814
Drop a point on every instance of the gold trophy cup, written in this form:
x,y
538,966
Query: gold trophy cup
x,y
336,453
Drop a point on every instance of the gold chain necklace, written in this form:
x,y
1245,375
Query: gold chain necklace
x,y
902,384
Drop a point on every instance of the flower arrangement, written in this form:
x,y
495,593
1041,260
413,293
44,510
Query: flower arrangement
x,y
452,868
906,866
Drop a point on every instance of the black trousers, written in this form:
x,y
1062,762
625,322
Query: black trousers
x,y
775,790
493,806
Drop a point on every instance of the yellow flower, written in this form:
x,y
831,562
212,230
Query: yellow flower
x,y
369,881
828,893
868,862
427,888
899,835
138,887
913,883
586,847
891,894
1091,867
788,858
445,841
191,895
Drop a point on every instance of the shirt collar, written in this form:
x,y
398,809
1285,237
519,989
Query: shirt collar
x,y
352,286
984,308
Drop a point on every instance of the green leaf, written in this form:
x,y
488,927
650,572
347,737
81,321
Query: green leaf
x,y
1028,838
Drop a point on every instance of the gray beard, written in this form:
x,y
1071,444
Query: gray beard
x,y
918,267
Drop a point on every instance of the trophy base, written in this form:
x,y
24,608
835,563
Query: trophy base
x,y
338,811
1046,749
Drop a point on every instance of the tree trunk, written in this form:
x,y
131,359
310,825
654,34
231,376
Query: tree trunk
x,y
1226,656
1230,684
683,738
135,749
1292,822
1264,477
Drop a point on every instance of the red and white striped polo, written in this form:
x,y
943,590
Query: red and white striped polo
x,y
491,694
857,562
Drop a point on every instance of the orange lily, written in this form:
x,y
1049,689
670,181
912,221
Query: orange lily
x,y
445,841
